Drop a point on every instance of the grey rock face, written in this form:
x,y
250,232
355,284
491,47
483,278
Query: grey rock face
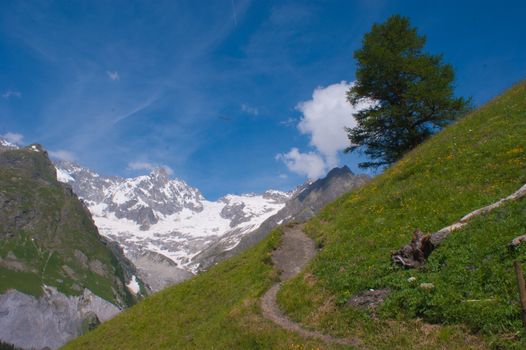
x,y
50,320
305,202
234,212
84,182
158,271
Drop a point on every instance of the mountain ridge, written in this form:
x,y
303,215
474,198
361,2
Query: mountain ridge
x,y
56,271
152,216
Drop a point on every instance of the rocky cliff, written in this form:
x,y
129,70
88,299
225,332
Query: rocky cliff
x,y
56,271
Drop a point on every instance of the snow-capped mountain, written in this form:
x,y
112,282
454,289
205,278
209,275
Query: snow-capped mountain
x,y
170,231
302,204
162,223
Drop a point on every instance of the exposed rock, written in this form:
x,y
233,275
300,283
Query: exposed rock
x,y
158,271
98,267
369,300
234,212
305,202
50,320
427,285
55,241
81,257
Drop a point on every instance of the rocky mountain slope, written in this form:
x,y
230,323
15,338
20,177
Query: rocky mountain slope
x,y
163,223
58,276
304,202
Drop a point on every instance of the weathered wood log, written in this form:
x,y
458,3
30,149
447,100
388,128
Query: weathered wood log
x,y
517,241
416,253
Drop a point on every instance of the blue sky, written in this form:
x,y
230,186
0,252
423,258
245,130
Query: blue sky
x,y
232,95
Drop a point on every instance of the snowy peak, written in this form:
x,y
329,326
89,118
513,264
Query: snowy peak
x,y
144,199
6,145
87,184
148,198
277,196
154,214
247,207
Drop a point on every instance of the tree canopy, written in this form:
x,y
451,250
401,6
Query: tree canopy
x,y
410,93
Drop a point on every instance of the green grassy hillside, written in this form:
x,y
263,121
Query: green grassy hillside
x,y
47,236
475,162
473,305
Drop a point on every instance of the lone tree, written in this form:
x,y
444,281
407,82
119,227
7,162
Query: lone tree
x,y
410,93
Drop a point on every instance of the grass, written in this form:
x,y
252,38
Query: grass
x,y
216,310
42,224
472,163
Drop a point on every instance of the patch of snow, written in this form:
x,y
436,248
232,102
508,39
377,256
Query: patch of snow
x,y
133,285
8,144
63,176
185,222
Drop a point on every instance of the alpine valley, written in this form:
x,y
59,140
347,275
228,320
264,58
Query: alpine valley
x,y
80,246
170,231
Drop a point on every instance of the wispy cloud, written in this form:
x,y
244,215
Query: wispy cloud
x,y
63,155
11,93
134,110
249,109
113,75
13,137
288,122
234,12
149,166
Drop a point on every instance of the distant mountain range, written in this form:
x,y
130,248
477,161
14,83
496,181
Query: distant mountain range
x,y
169,231
163,223
303,203
55,268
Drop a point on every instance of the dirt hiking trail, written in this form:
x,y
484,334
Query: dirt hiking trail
x,y
294,252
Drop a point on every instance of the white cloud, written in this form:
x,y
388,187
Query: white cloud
x,y
249,109
11,93
113,75
63,155
325,117
149,166
13,137
310,164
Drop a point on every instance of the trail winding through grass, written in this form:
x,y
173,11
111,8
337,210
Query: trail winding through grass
x,y
294,252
